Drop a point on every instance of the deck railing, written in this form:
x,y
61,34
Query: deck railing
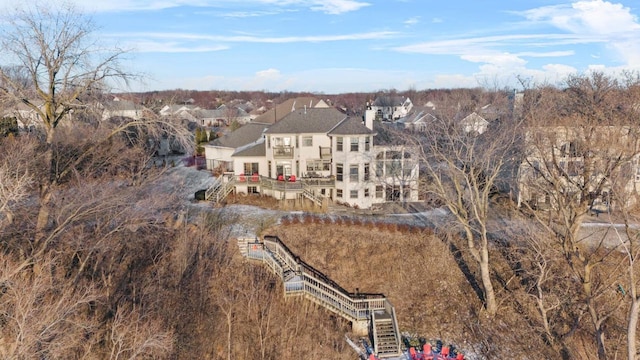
x,y
313,283
304,280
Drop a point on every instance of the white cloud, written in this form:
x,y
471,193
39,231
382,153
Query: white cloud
x,y
268,74
610,23
256,39
587,17
412,21
336,7
333,7
171,47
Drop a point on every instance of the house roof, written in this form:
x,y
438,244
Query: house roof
x,y
308,121
352,125
121,105
285,108
391,100
419,114
253,149
244,135
473,119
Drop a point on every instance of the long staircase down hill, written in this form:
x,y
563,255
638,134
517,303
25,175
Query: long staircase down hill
x,y
369,313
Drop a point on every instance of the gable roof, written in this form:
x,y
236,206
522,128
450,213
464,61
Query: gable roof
x,y
253,149
308,121
419,114
244,135
352,125
389,100
285,108
474,119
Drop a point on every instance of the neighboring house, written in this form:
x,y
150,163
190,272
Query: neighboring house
x,y
26,117
555,152
317,151
474,124
176,109
122,108
286,107
418,119
390,108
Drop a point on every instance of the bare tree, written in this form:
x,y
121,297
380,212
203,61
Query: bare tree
x,y
463,172
16,174
579,140
54,50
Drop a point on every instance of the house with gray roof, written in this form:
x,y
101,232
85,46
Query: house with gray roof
x,y
390,107
122,108
318,153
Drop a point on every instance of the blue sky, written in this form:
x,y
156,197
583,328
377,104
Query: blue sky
x,y
334,46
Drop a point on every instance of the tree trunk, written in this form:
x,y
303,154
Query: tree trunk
x,y
46,190
485,273
632,326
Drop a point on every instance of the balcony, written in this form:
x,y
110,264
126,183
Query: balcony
x,y
283,152
325,152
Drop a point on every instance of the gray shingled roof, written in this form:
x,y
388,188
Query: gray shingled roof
x,y
308,121
353,125
255,149
285,108
245,135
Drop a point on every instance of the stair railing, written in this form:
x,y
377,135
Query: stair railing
x,y
316,286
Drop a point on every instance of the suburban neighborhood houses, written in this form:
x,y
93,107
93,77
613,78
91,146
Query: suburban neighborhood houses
x,y
498,220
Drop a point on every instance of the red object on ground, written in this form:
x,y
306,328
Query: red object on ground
x,y
412,352
426,352
459,356
445,351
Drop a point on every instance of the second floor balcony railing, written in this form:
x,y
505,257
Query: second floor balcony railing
x,y
283,152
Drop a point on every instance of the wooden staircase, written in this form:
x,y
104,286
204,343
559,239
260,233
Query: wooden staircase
x,y
300,279
307,193
219,190
384,333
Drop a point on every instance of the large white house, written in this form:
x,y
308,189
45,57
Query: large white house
x,y
316,152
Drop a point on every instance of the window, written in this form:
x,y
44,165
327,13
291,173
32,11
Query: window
x,y
339,172
379,191
318,165
268,142
339,143
250,168
269,168
307,141
366,172
367,143
353,173
339,193
354,144
353,194
366,193
281,141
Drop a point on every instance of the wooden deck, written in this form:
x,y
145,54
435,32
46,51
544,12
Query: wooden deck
x,y
301,279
